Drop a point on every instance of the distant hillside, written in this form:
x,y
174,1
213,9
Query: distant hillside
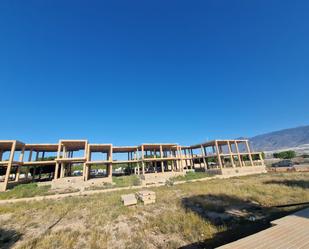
x,y
281,139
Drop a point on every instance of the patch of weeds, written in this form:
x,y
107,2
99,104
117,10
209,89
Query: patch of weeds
x,y
65,238
126,181
25,190
105,185
187,225
191,176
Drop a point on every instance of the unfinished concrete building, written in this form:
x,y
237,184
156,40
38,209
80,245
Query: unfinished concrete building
x,y
21,162
224,157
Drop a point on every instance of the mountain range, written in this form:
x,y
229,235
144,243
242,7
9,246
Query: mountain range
x,y
283,139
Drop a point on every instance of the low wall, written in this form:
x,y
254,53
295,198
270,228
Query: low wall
x,y
155,178
77,182
243,170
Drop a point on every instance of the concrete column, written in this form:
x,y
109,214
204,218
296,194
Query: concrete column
x,y
64,151
21,158
9,166
88,168
29,160
238,154
137,161
1,154
110,156
186,161
62,170
204,159
231,154
110,170
176,161
261,159
129,159
218,154
87,156
57,163
161,155
56,170
249,153
192,162
62,165
180,156
34,167
88,153
143,164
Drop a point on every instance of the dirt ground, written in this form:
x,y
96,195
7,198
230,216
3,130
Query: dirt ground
x,y
190,215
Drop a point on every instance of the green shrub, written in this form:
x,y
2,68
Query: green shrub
x,y
289,154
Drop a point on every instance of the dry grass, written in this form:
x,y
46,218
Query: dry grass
x,y
183,214
25,190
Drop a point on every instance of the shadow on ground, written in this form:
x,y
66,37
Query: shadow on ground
x,y
290,183
8,238
240,217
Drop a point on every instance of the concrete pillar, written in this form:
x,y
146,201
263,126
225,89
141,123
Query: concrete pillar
x,y
143,164
57,163
110,170
137,161
64,151
1,154
180,156
218,154
87,168
238,154
231,154
249,153
204,159
56,170
88,153
62,170
9,166
34,167
29,160
191,156
21,158
62,165
261,159
186,160
161,155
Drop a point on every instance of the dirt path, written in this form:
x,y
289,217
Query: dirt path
x,y
91,192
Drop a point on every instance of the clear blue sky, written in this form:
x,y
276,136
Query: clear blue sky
x,y
127,72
